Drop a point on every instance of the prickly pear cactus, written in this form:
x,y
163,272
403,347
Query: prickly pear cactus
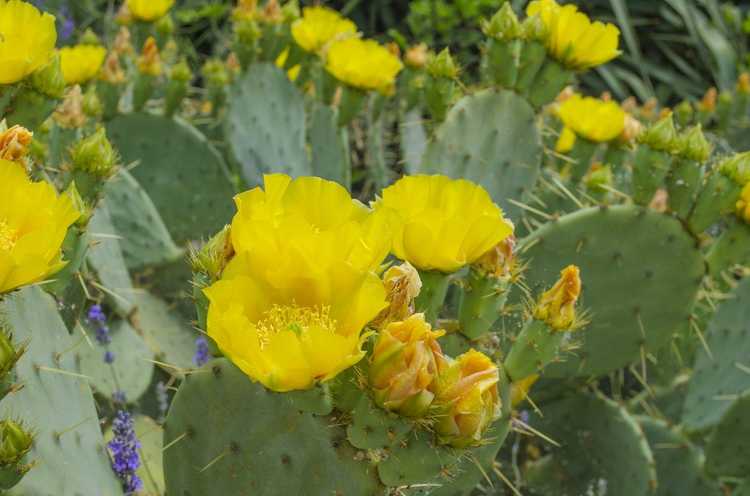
x,y
478,142
641,272
68,444
265,126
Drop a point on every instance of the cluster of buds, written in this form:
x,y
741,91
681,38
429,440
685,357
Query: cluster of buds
x,y
409,374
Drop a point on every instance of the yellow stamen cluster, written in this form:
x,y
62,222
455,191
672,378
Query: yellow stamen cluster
x,y
8,236
293,318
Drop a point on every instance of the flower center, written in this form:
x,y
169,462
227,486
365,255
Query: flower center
x,y
8,236
293,318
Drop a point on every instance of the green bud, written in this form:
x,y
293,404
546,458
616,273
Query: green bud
x,y
80,204
215,73
165,26
92,106
504,25
181,72
661,135
9,355
737,168
684,113
214,256
15,442
290,11
533,29
89,38
694,145
599,179
247,32
49,80
94,155
442,65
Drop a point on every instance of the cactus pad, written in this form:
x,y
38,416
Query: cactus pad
x,y
727,452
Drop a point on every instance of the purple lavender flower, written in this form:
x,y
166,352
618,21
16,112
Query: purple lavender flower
x,y
98,319
202,355
124,452
109,357
67,24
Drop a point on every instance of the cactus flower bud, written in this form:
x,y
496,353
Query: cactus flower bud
x,y
743,204
504,24
70,114
694,145
684,113
402,286
112,72
442,65
15,442
708,102
14,143
557,306
467,399
661,135
533,29
94,155
49,80
404,366
92,105
214,256
416,56
149,63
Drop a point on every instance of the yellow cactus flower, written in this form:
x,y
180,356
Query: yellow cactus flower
x,y
443,223
572,38
404,366
149,10
557,306
591,118
566,141
291,305
81,63
318,26
467,399
14,143
363,64
33,223
27,40
743,204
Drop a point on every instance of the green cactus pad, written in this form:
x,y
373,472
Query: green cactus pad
x,y
491,138
641,272
167,335
132,368
721,376
728,452
678,462
416,460
232,436
601,444
743,489
329,154
180,170
57,405
413,140
374,428
145,240
106,258
265,124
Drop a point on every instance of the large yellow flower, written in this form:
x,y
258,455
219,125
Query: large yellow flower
x,y
27,40
33,224
81,63
363,64
572,38
292,304
592,118
444,223
318,26
149,10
